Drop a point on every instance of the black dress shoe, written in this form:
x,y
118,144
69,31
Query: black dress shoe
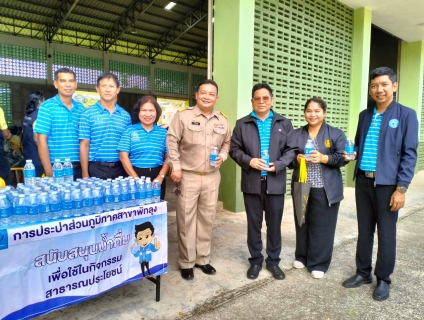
x,y
276,271
356,281
381,291
187,274
253,271
207,268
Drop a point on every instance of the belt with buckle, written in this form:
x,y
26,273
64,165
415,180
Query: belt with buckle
x,y
106,164
199,173
369,174
263,178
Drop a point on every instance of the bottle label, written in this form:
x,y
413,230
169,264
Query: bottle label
x,y
350,149
125,197
29,173
20,210
44,208
67,205
87,202
33,210
5,212
68,171
77,204
108,199
156,192
57,173
97,201
149,194
308,150
55,207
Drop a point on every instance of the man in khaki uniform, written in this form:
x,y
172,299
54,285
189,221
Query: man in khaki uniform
x,y
192,134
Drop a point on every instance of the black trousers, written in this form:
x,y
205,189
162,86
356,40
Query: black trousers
x,y
145,264
373,210
106,170
152,173
273,206
4,166
315,239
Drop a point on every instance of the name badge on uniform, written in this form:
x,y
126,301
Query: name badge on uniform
x,y
195,122
219,126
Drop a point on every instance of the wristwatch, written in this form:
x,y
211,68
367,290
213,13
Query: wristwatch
x,y
401,189
163,176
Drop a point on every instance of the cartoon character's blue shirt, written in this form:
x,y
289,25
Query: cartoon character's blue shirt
x,y
143,253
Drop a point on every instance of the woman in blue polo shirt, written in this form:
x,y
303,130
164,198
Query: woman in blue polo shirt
x,y
142,148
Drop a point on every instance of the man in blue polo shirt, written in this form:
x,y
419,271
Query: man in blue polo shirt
x,y
386,146
100,129
57,124
263,184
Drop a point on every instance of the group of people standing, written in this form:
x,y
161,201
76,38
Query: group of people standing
x,y
105,141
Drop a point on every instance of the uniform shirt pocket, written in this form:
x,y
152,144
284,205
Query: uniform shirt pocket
x,y
196,133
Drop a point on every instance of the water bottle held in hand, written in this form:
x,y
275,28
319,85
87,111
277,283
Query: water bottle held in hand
x,y
213,156
309,147
265,157
350,150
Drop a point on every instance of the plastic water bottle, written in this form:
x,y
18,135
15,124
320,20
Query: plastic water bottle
x,y
213,156
33,208
76,202
140,194
149,191
350,149
87,201
68,171
265,157
5,212
97,200
117,197
156,191
57,171
309,147
44,206
55,205
125,194
29,174
66,203
132,189
20,209
107,198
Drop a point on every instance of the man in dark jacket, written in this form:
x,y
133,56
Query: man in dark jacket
x,y
386,146
260,137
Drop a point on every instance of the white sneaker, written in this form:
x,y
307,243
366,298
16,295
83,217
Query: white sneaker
x,y
298,264
317,274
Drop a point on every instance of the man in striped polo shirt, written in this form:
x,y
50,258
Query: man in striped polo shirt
x,y
57,124
100,129
263,146
386,146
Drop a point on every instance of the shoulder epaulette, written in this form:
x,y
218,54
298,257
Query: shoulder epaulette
x,y
182,109
225,116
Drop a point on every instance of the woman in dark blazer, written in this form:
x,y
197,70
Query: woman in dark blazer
x,y
314,240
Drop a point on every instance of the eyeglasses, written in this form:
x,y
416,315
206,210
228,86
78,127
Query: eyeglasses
x,y
177,189
264,99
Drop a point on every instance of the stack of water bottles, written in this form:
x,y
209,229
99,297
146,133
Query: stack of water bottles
x,y
48,199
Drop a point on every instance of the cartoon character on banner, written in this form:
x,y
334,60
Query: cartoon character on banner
x,y
143,246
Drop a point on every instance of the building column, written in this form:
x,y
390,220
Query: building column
x,y
410,78
359,79
233,71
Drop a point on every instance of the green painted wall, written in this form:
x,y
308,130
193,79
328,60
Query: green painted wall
x,y
233,71
359,78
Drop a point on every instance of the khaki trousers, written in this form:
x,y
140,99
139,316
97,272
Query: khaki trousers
x,y
195,215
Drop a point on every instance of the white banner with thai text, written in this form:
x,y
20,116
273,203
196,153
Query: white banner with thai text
x,y
46,267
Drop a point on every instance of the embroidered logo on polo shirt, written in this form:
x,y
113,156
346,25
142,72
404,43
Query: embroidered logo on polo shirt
x,y
394,123
135,137
327,143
